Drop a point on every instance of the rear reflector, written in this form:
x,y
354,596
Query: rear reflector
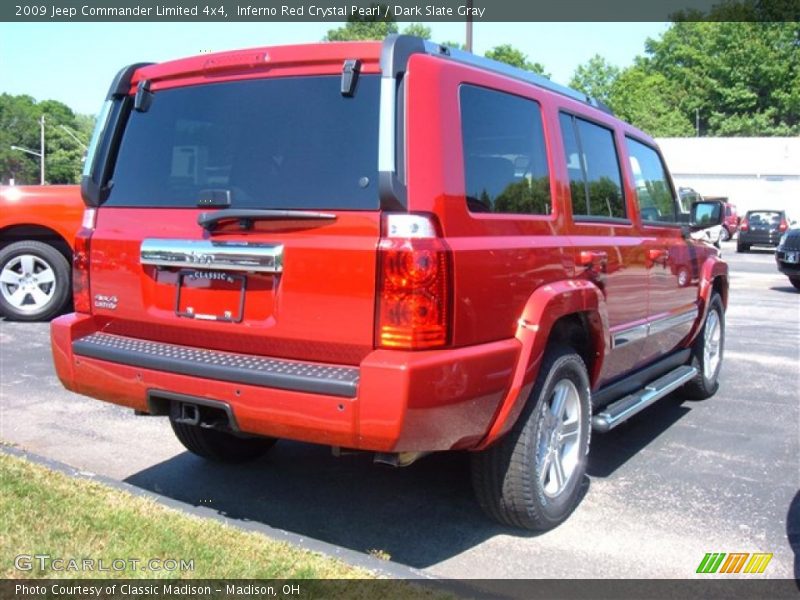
x,y
81,294
414,284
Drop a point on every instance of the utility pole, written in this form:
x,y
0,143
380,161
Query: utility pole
x,y
41,146
469,26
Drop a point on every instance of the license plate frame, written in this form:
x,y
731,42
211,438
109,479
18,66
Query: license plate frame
x,y
237,283
791,257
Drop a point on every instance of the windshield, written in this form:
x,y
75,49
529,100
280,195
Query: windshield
x,y
266,143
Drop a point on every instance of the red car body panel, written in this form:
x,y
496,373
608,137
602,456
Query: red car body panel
x,y
58,208
513,277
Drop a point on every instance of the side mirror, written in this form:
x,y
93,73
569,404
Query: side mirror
x,y
705,214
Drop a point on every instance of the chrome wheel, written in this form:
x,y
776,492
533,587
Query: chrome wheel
x,y
27,283
711,344
558,443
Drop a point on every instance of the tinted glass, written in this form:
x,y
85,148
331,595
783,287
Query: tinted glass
x,y
272,143
593,165
505,160
768,218
577,181
653,192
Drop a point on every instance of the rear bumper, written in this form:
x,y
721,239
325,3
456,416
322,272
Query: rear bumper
x,y
790,269
392,402
760,238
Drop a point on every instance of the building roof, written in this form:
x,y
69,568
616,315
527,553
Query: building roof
x,y
753,156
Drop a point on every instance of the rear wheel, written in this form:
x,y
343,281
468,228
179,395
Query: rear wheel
x,y
742,247
532,477
707,352
795,281
220,446
34,281
725,235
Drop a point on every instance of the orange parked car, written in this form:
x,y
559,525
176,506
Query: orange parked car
x,y
37,229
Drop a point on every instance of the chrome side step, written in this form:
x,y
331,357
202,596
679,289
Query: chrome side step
x,y
623,409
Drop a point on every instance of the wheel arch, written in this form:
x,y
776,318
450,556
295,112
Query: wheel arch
x,y
570,311
713,279
38,233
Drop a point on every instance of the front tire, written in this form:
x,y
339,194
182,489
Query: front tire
x,y
531,478
34,281
795,281
707,352
220,446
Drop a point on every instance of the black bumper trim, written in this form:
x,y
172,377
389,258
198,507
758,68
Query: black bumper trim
x,y
223,366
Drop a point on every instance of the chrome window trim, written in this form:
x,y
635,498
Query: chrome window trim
x,y
207,254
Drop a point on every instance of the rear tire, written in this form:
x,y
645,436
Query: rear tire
x,y
795,281
742,247
35,281
725,235
532,477
220,446
707,352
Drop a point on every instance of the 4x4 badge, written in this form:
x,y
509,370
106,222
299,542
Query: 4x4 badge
x,y
103,301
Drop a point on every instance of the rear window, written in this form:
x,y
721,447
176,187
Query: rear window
x,y
764,217
268,143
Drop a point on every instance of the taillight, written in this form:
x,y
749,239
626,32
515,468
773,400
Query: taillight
x,y
744,225
414,284
783,226
81,294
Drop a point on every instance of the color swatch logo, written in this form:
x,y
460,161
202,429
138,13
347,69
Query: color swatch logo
x,y
735,562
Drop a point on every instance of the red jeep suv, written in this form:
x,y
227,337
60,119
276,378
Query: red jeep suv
x,y
392,247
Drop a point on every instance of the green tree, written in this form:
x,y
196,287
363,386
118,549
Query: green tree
x,y
373,28
363,28
510,55
419,30
742,77
19,126
595,78
649,101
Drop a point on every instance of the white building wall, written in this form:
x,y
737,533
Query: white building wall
x,y
752,172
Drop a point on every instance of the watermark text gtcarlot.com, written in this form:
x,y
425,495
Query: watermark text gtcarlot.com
x,y
47,562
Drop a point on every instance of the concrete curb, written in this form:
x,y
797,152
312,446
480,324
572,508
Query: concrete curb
x,y
383,568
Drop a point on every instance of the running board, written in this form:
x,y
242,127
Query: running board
x,y
623,409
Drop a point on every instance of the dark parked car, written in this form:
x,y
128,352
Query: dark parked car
x,y
787,255
761,228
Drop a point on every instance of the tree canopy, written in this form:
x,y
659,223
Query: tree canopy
x,y
510,55
19,126
736,78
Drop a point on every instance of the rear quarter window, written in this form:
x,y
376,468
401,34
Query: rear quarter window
x,y
505,157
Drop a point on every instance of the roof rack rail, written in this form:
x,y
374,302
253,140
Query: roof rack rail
x,y
401,46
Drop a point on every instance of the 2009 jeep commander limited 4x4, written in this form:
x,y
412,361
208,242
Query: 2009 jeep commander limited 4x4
x,y
397,248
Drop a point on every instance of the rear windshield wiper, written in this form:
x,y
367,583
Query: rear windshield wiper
x,y
246,217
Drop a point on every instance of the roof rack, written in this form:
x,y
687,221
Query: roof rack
x,y
400,47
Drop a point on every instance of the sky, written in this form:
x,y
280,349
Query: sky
x,y
75,62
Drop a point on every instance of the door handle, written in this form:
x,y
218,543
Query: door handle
x,y
596,260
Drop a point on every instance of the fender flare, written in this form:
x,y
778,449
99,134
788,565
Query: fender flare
x,y
543,309
712,269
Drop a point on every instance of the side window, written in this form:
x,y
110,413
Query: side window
x,y
593,167
653,191
505,159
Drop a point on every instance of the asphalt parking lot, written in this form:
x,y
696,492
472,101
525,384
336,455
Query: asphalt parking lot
x,y
679,480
